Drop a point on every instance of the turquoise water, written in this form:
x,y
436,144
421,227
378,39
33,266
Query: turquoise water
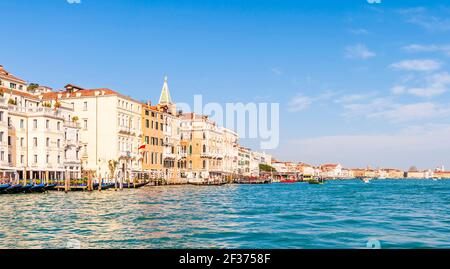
x,y
339,214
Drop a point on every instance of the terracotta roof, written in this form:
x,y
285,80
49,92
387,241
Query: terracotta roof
x,y
19,93
5,74
84,93
329,165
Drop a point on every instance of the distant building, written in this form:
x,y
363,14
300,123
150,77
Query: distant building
x,y
331,170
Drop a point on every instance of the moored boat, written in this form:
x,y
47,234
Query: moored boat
x,y
14,188
288,181
3,187
50,187
316,180
37,188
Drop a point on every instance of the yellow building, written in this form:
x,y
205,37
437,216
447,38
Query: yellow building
x,y
202,143
153,138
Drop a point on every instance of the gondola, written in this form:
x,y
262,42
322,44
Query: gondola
x,y
14,188
105,186
37,188
3,188
50,187
26,188
132,185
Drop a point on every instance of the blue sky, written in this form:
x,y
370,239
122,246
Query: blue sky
x,y
358,83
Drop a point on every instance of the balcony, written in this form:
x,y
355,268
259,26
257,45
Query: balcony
x,y
206,155
71,124
169,156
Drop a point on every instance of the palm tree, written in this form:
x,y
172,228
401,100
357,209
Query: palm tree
x,y
112,165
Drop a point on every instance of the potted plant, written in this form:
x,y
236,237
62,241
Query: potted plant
x,y
75,118
12,102
57,104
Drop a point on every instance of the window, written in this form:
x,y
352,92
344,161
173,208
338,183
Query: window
x,y
22,142
9,158
59,159
22,158
147,112
58,142
47,158
1,136
35,124
85,124
21,123
12,85
147,123
161,126
85,106
47,124
35,159
204,164
146,140
35,141
204,148
9,140
47,142
1,115
2,155
58,125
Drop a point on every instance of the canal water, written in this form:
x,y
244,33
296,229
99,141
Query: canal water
x,y
338,214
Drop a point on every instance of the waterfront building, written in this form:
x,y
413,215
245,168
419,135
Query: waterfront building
x,y
244,161
230,149
307,170
203,141
330,170
442,174
153,140
285,167
346,173
173,164
110,130
394,173
33,132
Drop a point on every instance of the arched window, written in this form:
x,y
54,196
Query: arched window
x,y
204,148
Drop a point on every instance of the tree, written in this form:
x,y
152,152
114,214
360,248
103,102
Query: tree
x,y
266,168
112,165
413,169
32,86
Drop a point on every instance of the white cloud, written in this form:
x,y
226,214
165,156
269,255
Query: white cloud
x,y
359,31
387,110
422,18
425,146
354,97
433,85
412,112
417,65
277,71
414,48
358,51
299,103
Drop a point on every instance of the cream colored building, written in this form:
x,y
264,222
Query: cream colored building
x,y
32,132
111,129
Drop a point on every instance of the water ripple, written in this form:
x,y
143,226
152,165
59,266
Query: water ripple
x,y
340,214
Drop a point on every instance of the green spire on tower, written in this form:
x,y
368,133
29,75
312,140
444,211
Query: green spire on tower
x,y
165,99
